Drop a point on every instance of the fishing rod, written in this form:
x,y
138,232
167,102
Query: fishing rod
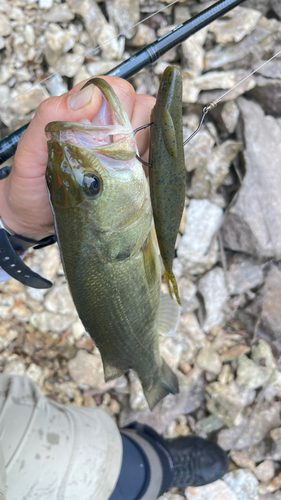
x,y
141,59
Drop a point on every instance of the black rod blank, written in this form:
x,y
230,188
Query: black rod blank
x,y
156,49
140,60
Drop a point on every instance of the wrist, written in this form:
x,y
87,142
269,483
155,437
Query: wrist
x,y
14,222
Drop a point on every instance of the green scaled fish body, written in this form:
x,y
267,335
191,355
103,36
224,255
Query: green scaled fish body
x,y
102,210
167,174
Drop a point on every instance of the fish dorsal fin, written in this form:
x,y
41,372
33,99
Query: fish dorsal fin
x,y
169,133
168,315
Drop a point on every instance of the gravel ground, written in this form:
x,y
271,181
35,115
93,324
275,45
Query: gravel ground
x,y
227,349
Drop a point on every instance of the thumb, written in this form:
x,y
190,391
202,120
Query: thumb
x,y
32,154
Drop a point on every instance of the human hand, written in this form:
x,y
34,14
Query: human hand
x,y
24,200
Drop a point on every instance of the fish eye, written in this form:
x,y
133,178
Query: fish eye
x,y
91,184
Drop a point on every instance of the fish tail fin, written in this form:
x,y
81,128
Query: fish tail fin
x,y
166,382
169,276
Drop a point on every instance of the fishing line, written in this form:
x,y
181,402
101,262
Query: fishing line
x,y
88,52
214,103
210,106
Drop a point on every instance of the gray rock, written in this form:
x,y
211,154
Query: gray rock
x,y
243,460
100,67
137,399
228,402
144,35
260,370
230,114
206,180
193,51
270,304
213,491
35,373
50,322
270,496
124,14
252,430
171,350
209,360
208,425
267,92
5,25
187,293
77,329
171,496
181,14
112,47
87,369
195,251
272,69
59,13
171,407
235,25
252,224
92,16
262,355
275,434
263,451
194,337
198,150
7,335
6,72
56,85
58,41
14,366
82,74
70,64
250,46
275,5
215,295
59,300
192,86
244,274
23,102
265,471
45,4
254,376
49,261
243,483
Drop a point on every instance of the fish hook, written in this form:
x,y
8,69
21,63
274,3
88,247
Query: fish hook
x,y
137,156
205,111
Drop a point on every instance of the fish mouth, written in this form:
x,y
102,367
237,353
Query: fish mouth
x,y
111,125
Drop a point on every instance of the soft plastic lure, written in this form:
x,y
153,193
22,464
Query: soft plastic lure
x,y
167,175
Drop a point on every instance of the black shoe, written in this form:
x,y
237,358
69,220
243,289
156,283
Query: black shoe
x,y
196,461
186,461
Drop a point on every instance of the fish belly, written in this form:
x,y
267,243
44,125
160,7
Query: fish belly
x,y
118,304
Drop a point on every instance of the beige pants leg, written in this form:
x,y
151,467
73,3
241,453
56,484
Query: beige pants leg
x,y
55,452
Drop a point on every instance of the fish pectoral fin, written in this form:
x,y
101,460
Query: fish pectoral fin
x,y
111,372
165,383
169,133
168,315
149,260
154,237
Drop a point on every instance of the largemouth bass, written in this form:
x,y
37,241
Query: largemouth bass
x,y
167,174
102,211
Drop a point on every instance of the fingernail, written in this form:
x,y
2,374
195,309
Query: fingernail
x,y
81,98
